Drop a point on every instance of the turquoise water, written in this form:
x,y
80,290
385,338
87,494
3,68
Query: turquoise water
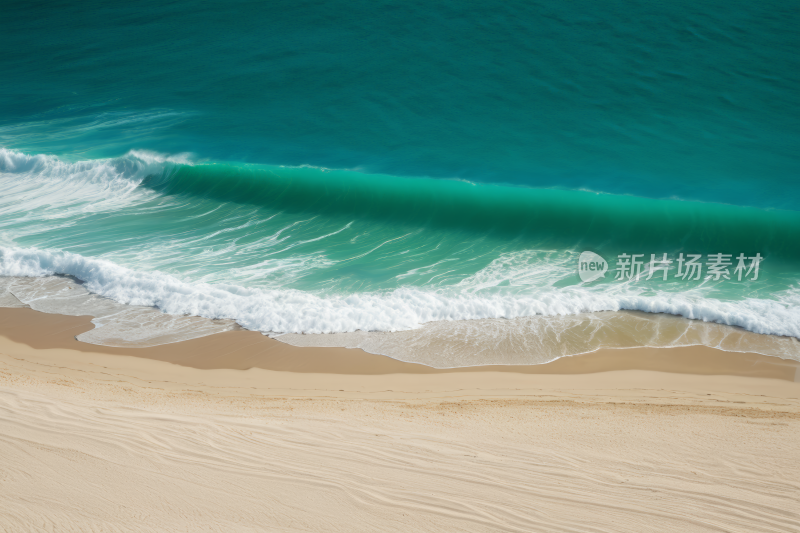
x,y
376,166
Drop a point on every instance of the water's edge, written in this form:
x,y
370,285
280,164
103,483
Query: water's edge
x,y
442,344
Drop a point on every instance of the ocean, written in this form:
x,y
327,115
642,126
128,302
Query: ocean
x,y
415,179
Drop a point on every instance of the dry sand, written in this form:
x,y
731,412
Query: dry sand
x,y
238,432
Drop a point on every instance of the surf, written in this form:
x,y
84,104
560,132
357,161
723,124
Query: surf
x,y
305,250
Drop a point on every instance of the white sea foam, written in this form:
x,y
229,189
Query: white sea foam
x,y
293,311
133,166
46,187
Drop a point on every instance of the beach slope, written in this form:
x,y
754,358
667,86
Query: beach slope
x,y
101,441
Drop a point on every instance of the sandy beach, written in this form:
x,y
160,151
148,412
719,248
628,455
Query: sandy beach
x,y
238,432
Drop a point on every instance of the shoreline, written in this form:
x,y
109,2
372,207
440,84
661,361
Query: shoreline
x,y
440,344
248,364
242,350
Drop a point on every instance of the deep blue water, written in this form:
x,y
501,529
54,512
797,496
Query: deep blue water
x,y
658,99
